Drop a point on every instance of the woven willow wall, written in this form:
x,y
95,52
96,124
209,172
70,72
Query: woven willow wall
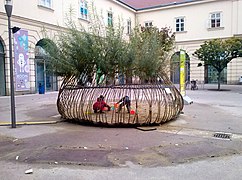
x,y
151,103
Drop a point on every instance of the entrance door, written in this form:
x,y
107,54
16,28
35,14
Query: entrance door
x,y
2,72
44,77
40,80
51,82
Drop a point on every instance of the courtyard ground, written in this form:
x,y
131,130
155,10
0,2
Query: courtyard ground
x,y
181,149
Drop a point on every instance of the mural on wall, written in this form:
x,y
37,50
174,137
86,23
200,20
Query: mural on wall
x,y
21,59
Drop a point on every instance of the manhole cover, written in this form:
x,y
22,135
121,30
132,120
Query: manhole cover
x,y
222,135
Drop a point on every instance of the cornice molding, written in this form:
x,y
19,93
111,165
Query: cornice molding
x,y
32,22
200,41
173,5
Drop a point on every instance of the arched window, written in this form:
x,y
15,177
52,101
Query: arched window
x,y
175,68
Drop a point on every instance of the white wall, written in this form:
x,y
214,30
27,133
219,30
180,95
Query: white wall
x,y
234,71
41,22
197,29
44,22
31,9
196,19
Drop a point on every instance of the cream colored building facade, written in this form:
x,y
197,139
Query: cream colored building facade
x,y
198,27
44,18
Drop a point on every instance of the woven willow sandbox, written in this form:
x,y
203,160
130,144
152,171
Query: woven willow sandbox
x,y
152,103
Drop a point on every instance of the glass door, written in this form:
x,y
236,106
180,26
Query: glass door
x,y
40,75
44,77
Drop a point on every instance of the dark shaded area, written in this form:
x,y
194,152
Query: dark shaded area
x,y
218,90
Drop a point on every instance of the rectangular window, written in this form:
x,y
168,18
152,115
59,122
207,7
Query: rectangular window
x,y
180,24
83,9
148,24
110,19
215,20
46,3
128,27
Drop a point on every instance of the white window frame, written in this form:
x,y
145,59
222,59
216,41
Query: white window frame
x,y
83,9
180,24
215,20
46,3
129,26
110,18
148,23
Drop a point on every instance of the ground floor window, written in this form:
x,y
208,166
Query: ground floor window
x,y
211,75
175,68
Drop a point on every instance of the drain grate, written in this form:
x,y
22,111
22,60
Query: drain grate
x,y
222,135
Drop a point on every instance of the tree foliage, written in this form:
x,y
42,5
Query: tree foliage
x,y
218,53
151,47
102,49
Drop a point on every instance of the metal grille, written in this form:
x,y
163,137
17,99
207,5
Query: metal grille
x,y
222,135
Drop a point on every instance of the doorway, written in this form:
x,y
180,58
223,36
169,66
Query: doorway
x,y
44,77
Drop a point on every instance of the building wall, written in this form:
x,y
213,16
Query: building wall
x,y
197,19
34,11
234,72
42,22
120,12
37,31
197,28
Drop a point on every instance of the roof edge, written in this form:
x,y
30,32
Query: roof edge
x,y
131,7
157,6
166,5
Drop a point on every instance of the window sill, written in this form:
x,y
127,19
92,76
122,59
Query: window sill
x,y
45,7
215,28
83,19
180,32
